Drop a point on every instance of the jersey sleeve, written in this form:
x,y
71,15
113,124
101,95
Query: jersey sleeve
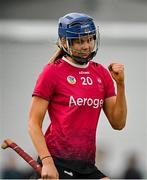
x,y
109,85
45,83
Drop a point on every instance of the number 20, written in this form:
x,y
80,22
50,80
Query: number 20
x,y
86,81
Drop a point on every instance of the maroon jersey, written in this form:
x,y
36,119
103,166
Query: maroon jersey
x,y
76,94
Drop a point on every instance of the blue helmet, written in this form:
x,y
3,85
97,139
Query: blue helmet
x,y
73,24
76,25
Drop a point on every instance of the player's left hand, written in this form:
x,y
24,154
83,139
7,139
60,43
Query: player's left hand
x,y
117,72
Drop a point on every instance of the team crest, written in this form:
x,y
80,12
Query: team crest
x,y
99,80
100,84
71,79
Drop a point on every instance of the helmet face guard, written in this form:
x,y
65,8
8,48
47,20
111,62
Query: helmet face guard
x,y
74,27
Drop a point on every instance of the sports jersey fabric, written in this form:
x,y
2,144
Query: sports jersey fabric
x,y
76,94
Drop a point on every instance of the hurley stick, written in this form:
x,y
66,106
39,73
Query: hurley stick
x,y
10,144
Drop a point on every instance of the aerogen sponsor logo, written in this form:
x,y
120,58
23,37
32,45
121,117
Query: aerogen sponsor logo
x,y
95,103
71,79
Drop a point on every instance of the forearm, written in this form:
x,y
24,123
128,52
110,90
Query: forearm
x,y
120,109
38,140
48,167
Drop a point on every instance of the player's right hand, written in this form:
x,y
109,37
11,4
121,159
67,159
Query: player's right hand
x,y
49,171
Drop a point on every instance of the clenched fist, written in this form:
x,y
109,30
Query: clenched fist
x,y
117,72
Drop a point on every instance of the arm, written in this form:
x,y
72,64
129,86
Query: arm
x,y
115,107
36,116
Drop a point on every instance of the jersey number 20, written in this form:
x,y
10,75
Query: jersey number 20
x,y
86,81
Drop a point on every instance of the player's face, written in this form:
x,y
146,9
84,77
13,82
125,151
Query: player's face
x,y
83,46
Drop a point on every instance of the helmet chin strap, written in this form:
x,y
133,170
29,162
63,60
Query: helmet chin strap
x,y
80,60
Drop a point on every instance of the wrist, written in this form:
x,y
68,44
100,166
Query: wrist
x,y
47,159
121,85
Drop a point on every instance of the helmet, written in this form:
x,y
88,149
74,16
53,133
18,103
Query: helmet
x,y
77,25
